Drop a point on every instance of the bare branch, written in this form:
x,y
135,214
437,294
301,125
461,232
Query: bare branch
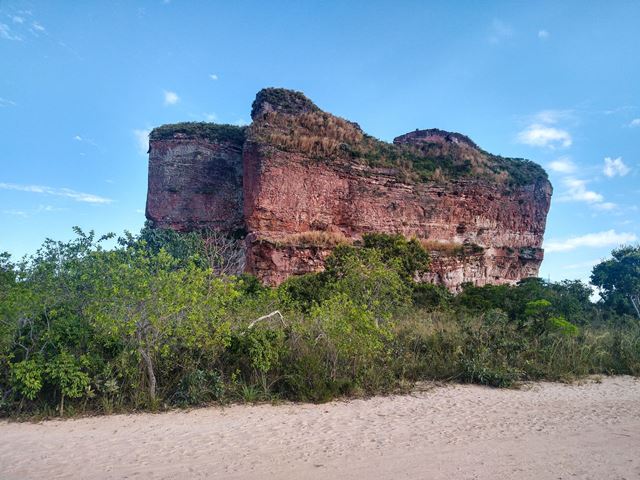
x,y
266,317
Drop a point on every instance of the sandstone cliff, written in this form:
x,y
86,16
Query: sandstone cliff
x,y
298,181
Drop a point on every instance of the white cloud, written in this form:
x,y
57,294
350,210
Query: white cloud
x,y
17,19
49,208
40,209
37,26
210,117
89,141
587,264
609,238
241,122
635,122
543,34
577,192
213,76
538,135
170,98
4,102
142,140
605,206
59,192
552,116
563,165
615,166
16,213
5,33
499,31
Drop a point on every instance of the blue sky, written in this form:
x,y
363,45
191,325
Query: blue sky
x,y
555,82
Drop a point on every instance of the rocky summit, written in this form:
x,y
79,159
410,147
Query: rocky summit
x,y
298,181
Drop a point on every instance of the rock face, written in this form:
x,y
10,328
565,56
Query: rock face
x,y
195,177
299,181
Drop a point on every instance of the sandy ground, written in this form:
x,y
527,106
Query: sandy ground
x,y
543,431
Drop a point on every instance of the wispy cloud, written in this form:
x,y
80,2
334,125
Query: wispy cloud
x,y
538,135
37,27
89,141
499,31
4,102
171,98
16,213
563,165
142,140
577,191
543,34
40,209
615,167
241,122
552,116
609,238
579,265
7,34
605,206
58,192
17,19
210,117
213,76
635,122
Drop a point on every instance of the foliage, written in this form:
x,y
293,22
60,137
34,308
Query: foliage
x,y
149,323
283,100
619,280
199,387
26,376
203,130
413,258
568,299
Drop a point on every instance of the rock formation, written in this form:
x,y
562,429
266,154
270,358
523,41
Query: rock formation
x,y
299,181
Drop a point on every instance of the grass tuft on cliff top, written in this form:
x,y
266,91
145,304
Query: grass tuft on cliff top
x,y
289,121
203,130
323,136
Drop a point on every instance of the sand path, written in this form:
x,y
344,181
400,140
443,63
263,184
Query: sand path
x,y
545,431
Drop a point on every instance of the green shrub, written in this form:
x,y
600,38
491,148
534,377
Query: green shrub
x,y
136,326
26,377
199,387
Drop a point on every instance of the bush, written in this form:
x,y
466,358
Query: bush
x,y
199,387
148,323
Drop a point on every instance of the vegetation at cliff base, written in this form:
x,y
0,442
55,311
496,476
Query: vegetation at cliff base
x,y
163,319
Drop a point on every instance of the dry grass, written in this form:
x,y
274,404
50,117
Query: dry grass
x,y
318,134
315,238
449,248
313,133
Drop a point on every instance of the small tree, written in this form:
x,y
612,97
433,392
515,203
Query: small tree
x,y
154,307
619,278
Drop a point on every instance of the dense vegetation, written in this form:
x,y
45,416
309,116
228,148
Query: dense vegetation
x,y
203,130
161,319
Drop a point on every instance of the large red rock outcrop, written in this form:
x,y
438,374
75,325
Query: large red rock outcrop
x,y
195,177
299,181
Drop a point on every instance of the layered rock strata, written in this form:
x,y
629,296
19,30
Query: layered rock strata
x,y
298,181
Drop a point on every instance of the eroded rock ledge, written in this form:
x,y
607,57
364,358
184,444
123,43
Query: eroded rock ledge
x,y
298,181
